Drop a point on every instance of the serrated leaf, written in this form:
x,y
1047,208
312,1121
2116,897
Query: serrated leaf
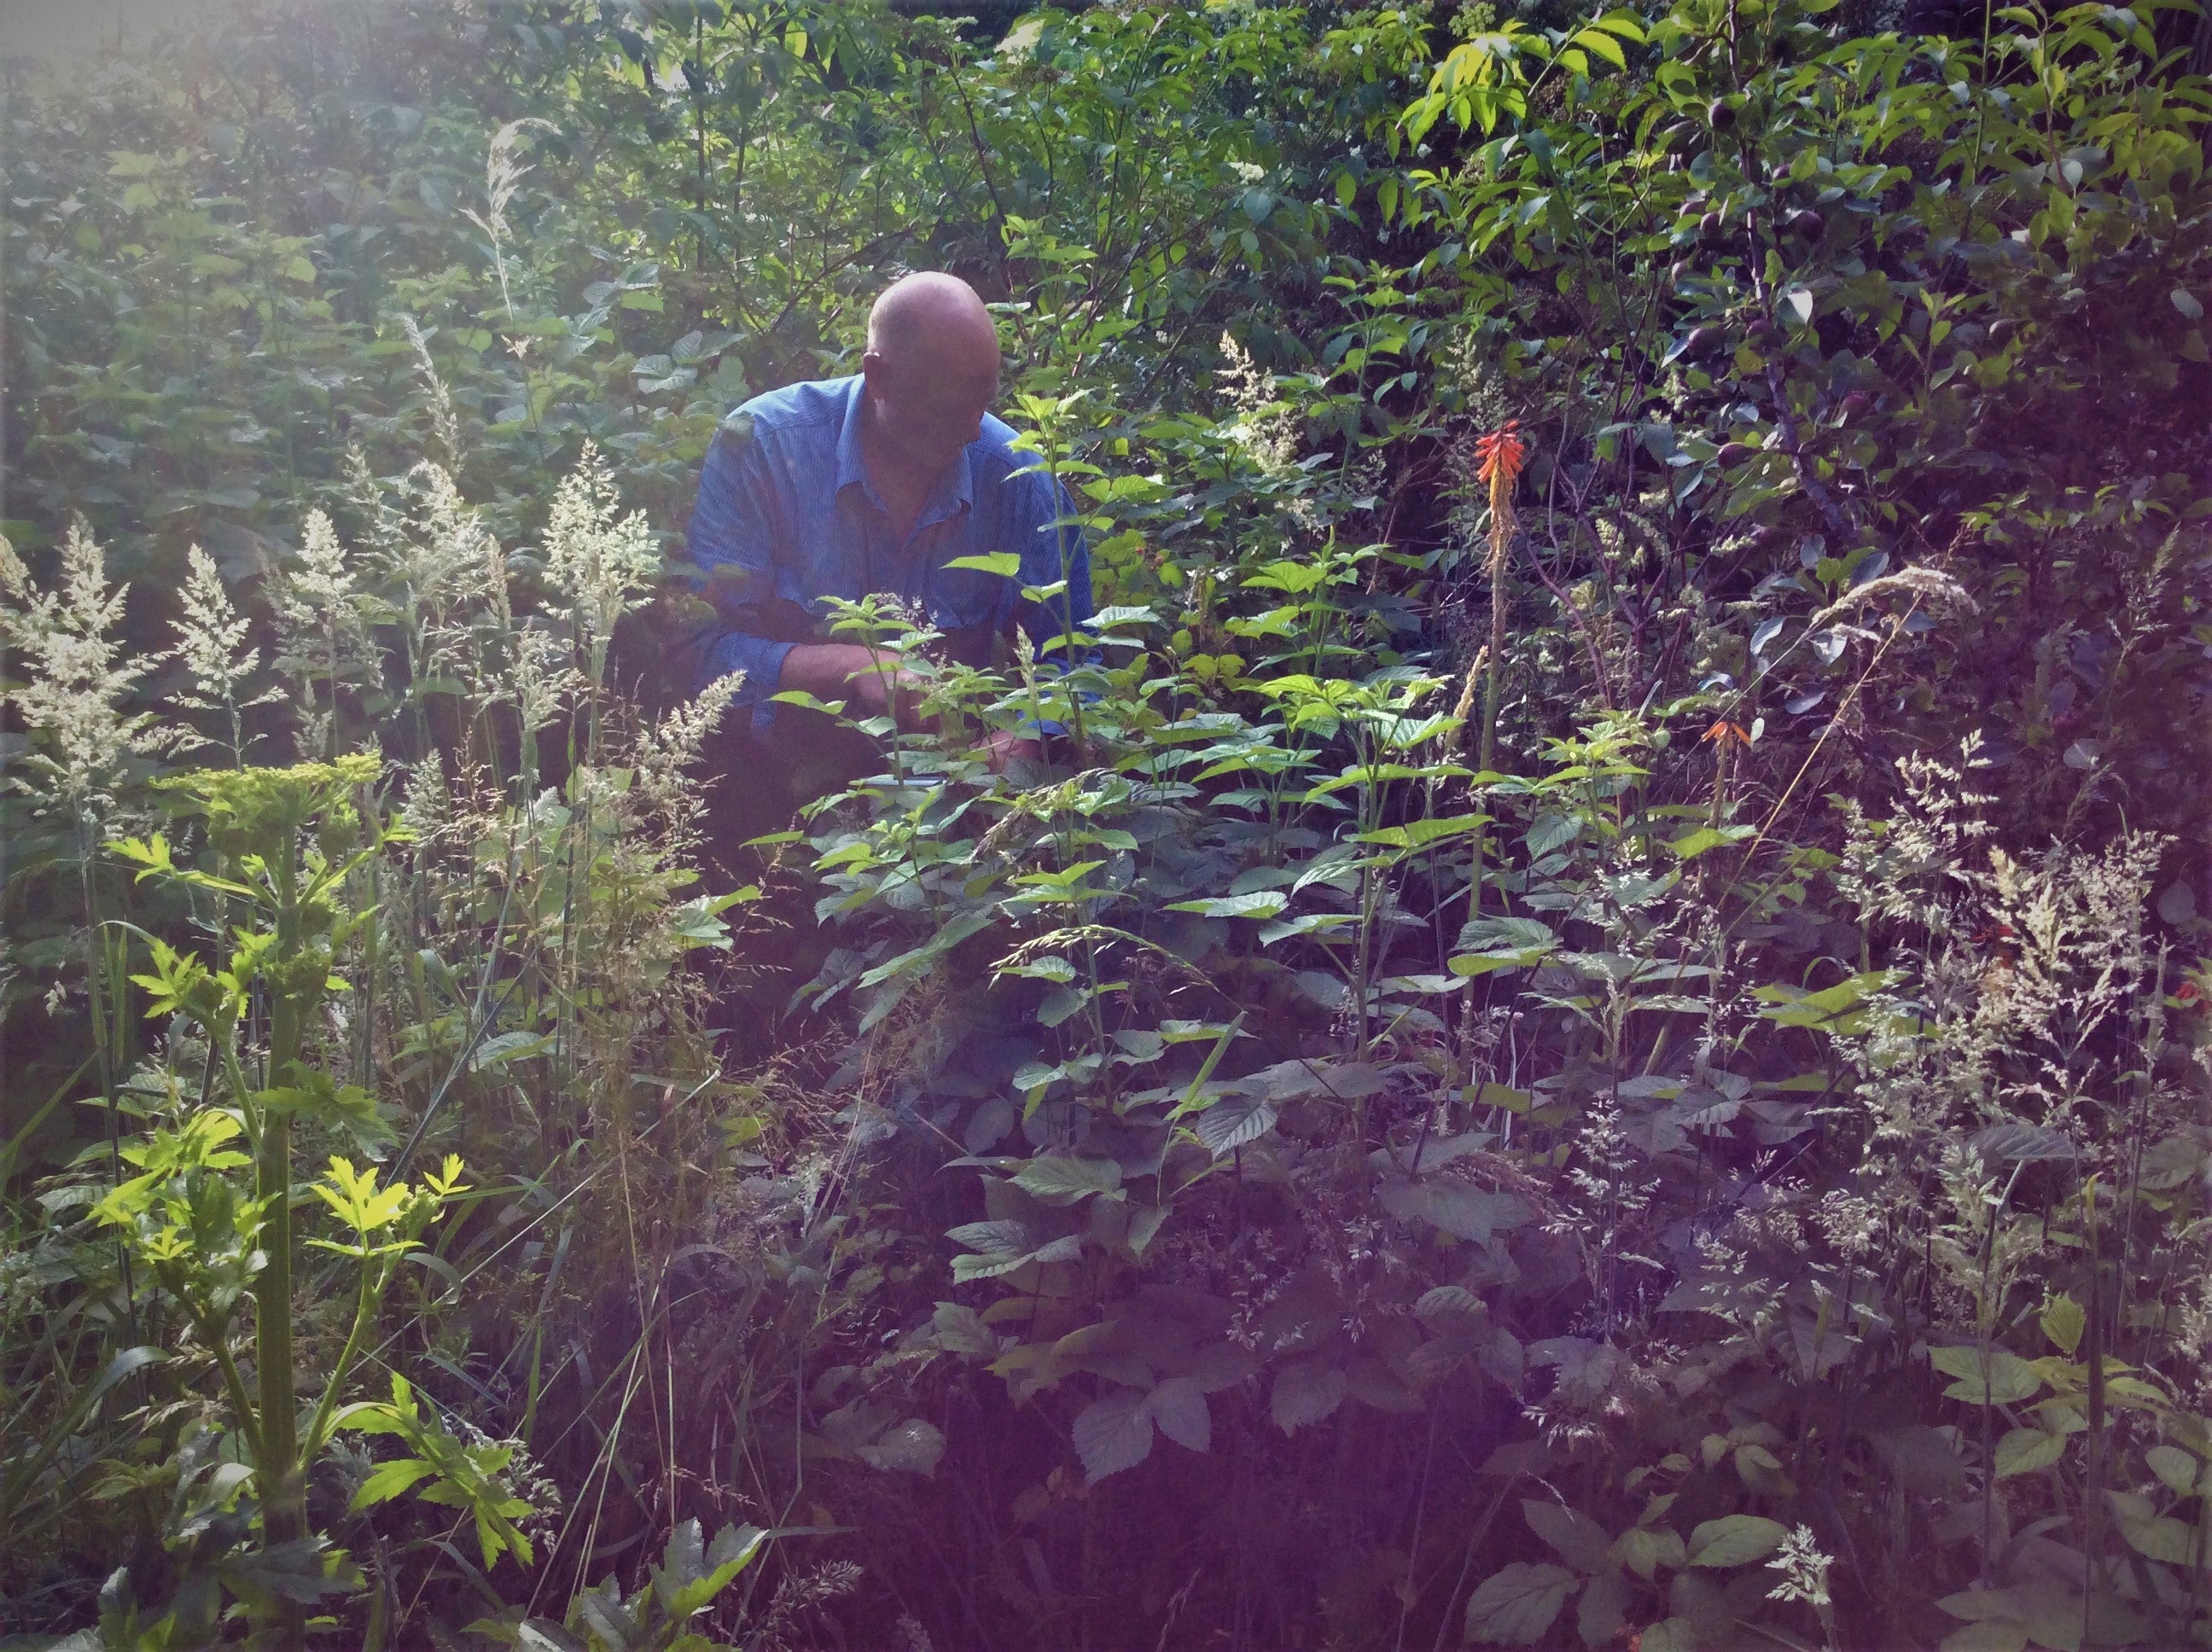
x,y
2175,1466
1578,1539
1515,1607
1178,1405
508,1046
544,1635
1112,1433
1306,1390
1644,1549
1002,1238
1452,1305
1259,903
2028,1451
914,1446
1691,845
2160,1537
2064,1321
1603,1608
388,1479
1464,1212
1004,564
1233,1121
1670,1634
2016,1142
1734,1541
959,1329
1601,43
1056,1179
1991,1377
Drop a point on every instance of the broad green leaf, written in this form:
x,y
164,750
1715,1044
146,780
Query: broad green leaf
x,y
2028,1451
1057,1180
1451,1304
1233,1121
1144,1227
1691,845
1603,45
388,1479
922,959
733,1550
1987,1377
1670,1634
1420,834
2160,1537
2175,1466
1736,1540
2064,1321
1579,1541
1500,1096
1465,1211
1603,1608
1114,1432
1004,564
913,1447
1644,1549
1515,1607
1259,903
1178,1407
1306,1390
960,1330
1992,1635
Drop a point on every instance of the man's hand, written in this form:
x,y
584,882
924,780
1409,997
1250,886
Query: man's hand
x,y
871,681
1003,747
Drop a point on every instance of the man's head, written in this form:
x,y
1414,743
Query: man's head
x,y
931,368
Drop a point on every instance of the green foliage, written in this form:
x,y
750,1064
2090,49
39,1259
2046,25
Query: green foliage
x,y
1664,992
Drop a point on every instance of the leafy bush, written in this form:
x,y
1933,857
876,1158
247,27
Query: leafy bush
x,y
1602,997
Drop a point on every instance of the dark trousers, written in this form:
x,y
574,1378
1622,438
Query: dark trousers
x,y
756,784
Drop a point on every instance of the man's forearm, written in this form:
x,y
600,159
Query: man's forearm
x,y
824,670
869,681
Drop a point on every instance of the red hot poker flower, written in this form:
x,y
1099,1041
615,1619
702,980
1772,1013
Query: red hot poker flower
x,y
1501,454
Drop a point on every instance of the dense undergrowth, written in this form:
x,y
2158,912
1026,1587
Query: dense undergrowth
x,y
1597,1037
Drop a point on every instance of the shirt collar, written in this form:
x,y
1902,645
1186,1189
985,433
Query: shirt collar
x,y
954,491
852,469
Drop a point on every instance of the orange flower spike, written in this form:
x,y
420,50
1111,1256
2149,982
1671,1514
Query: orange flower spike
x,y
1724,731
1501,455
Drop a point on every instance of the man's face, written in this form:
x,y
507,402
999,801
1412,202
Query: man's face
x,y
927,410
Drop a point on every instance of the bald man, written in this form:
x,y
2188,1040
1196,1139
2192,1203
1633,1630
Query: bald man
x,y
873,484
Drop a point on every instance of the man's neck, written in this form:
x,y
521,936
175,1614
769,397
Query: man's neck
x,y
902,485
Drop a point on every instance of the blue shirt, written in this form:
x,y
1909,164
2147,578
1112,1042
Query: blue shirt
x,y
786,510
